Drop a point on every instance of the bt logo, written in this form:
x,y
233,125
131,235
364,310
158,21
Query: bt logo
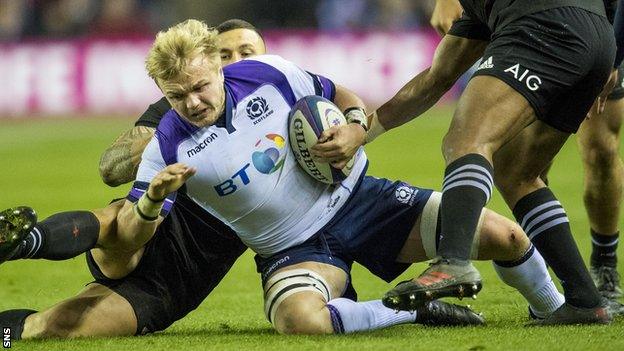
x,y
265,162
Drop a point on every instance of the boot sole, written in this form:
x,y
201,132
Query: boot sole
x,y
411,299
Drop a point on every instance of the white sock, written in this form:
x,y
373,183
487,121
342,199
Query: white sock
x,y
349,316
530,277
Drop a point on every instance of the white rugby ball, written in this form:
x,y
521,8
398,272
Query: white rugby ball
x,y
310,116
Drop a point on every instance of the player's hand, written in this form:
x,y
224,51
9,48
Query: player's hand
x,y
444,14
601,101
337,145
169,180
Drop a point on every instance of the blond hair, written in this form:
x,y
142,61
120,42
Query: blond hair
x,y
174,48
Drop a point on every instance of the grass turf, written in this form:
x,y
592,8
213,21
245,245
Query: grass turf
x,y
51,165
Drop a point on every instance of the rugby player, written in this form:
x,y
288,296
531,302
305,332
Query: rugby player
x,y
142,288
545,62
306,239
138,288
599,141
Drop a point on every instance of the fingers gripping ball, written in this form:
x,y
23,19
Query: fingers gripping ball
x,y
307,120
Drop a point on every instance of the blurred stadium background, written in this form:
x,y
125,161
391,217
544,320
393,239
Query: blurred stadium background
x,y
72,79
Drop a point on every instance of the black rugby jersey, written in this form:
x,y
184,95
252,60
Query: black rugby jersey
x,y
154,113
495,14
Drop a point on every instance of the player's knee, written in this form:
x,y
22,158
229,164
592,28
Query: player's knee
x,y
513,239
49,324
304,317
295,302
599,154
501,238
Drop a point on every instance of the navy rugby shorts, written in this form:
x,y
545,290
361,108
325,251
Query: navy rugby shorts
x,y
370,229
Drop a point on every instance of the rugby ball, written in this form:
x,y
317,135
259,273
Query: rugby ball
x,y
310,116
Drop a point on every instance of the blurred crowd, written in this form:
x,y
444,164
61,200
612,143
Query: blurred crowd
x,y
24,19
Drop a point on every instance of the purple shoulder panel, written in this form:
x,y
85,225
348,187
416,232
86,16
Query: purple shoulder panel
x,y
245,77
172,131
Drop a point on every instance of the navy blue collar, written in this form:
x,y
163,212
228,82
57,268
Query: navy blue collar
x,y
225,120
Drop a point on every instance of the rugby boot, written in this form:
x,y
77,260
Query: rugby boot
x,y
568,314
440,313
443,278
607,280
615,308
15,224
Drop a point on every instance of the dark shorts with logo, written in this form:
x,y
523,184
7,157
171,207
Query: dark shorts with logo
x,y
618,91
184,261
370,229
558,59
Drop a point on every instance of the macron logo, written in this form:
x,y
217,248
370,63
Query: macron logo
x,y
202,145
486,64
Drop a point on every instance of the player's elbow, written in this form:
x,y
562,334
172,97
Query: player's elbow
x,y
109,172
108,177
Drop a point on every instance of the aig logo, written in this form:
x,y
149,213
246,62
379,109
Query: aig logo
x,y
532,81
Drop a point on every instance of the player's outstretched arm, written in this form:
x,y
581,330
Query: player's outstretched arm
x,y
444,14
119,163
137,222
452,58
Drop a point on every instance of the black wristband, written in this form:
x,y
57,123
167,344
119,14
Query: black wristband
x,y
143,215
154,200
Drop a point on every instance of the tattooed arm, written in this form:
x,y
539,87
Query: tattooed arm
x,y
119,163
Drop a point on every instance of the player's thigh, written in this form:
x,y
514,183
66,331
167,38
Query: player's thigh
x,y
116,263
296,296
488,114
422,241
599,136
95,311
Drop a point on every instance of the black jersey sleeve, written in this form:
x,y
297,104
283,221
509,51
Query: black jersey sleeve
x,y
618,27
468,28
154,113
610,7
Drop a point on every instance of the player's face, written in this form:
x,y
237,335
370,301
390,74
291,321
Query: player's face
x,y
237,44
197,94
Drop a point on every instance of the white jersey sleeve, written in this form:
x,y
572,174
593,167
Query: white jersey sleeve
x,y
151,164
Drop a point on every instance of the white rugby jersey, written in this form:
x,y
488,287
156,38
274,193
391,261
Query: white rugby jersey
x,y
247,176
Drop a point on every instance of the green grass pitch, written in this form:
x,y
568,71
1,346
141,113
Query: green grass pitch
x,y
51,165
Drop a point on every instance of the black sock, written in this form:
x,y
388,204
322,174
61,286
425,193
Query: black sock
x,y
466,189
604,249
14,320
61,236
544,220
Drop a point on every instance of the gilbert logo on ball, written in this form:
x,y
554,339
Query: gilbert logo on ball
x,y
310,116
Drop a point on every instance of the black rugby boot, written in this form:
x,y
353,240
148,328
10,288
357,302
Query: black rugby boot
x,y
15,224
440,313
568,314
